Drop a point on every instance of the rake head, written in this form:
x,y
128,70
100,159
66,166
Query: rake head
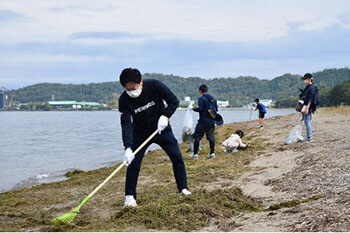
x,y
66,218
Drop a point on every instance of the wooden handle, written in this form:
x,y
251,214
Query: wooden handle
x,y
122,165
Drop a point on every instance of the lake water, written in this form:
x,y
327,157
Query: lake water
x,y
40,147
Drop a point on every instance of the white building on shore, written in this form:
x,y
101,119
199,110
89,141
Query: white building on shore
x,y
266,102
186,101
222,104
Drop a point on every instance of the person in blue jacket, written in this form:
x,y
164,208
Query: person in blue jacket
x,y
206,124
309,94
262,112
142,111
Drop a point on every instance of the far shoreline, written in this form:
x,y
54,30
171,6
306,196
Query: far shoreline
x,y
107,110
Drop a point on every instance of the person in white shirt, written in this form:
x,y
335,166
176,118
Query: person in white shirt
x,y
234,142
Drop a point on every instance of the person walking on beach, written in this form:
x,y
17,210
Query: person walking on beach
x,y
206,124
142,111
262,112
309,94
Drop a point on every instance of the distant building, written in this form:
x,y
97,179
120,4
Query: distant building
x,y
222,104
187,101
4,97
250,105
72,104
266,102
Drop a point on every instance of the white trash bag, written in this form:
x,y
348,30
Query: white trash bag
x,y
295,135
187,125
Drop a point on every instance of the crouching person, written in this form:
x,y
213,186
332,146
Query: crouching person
x,y
142,111
234,142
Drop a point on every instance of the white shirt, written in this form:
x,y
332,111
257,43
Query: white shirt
x,y
234,141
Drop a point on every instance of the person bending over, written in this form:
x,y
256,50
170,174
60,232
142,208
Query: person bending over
x,y
142,111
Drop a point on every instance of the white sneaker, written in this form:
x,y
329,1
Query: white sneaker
x,y
185,192
211,156
261,127
193,156
307,140
130,201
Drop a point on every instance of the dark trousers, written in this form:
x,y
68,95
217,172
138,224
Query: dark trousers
x,y
199,133
168,143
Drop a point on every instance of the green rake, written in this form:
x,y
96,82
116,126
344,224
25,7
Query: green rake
x,y
68,218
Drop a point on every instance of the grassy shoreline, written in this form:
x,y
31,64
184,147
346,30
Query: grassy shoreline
x,y
215,198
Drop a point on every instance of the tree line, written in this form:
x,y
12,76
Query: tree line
x,y
333,85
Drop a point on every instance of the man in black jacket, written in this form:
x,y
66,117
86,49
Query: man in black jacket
x,y
309,94
142,111
206,124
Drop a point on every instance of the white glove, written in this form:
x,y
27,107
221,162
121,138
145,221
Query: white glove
x,y
162,123
128,156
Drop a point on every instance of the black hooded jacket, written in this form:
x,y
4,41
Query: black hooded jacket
x,y
140,115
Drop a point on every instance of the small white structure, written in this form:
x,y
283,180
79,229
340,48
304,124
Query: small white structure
x,y
76,106
187,101
266,102
73,104
222,104
250,105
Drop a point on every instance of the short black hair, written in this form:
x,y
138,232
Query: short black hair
x,y
240,133
257,100
307,76
203,88
130,75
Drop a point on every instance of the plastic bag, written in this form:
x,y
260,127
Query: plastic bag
x,y
187,126
295,135
299,105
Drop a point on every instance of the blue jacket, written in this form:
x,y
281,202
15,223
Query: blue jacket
x,y
262,108
140,115
309,93
203,106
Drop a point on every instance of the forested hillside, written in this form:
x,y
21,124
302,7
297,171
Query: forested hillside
x,y
239,91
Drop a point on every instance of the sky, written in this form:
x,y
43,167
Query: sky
x,y
84,41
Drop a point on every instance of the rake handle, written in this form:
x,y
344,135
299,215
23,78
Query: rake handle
x,y
117,169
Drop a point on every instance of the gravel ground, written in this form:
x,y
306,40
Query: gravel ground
x,y
320,168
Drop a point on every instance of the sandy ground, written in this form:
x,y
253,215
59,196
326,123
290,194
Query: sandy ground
x,y
299,171
315,173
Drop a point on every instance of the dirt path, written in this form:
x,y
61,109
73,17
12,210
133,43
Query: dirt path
x,y
300,171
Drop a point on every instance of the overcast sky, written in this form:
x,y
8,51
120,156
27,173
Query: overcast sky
x,y
83,41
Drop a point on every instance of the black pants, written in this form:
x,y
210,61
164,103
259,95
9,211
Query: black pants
x,y
199,133
168,143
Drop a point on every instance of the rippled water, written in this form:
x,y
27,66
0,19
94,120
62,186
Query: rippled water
x,y
39,147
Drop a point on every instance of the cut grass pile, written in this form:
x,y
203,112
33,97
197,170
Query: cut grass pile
x,y
159,206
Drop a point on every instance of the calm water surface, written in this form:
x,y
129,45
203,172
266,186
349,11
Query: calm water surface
x,y
40,147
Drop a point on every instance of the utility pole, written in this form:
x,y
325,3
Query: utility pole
x,y
10,104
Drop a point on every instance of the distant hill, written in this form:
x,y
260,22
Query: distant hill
x,y
238,91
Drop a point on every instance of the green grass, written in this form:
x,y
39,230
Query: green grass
x,y
293,203
335,110
182,213
159,206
